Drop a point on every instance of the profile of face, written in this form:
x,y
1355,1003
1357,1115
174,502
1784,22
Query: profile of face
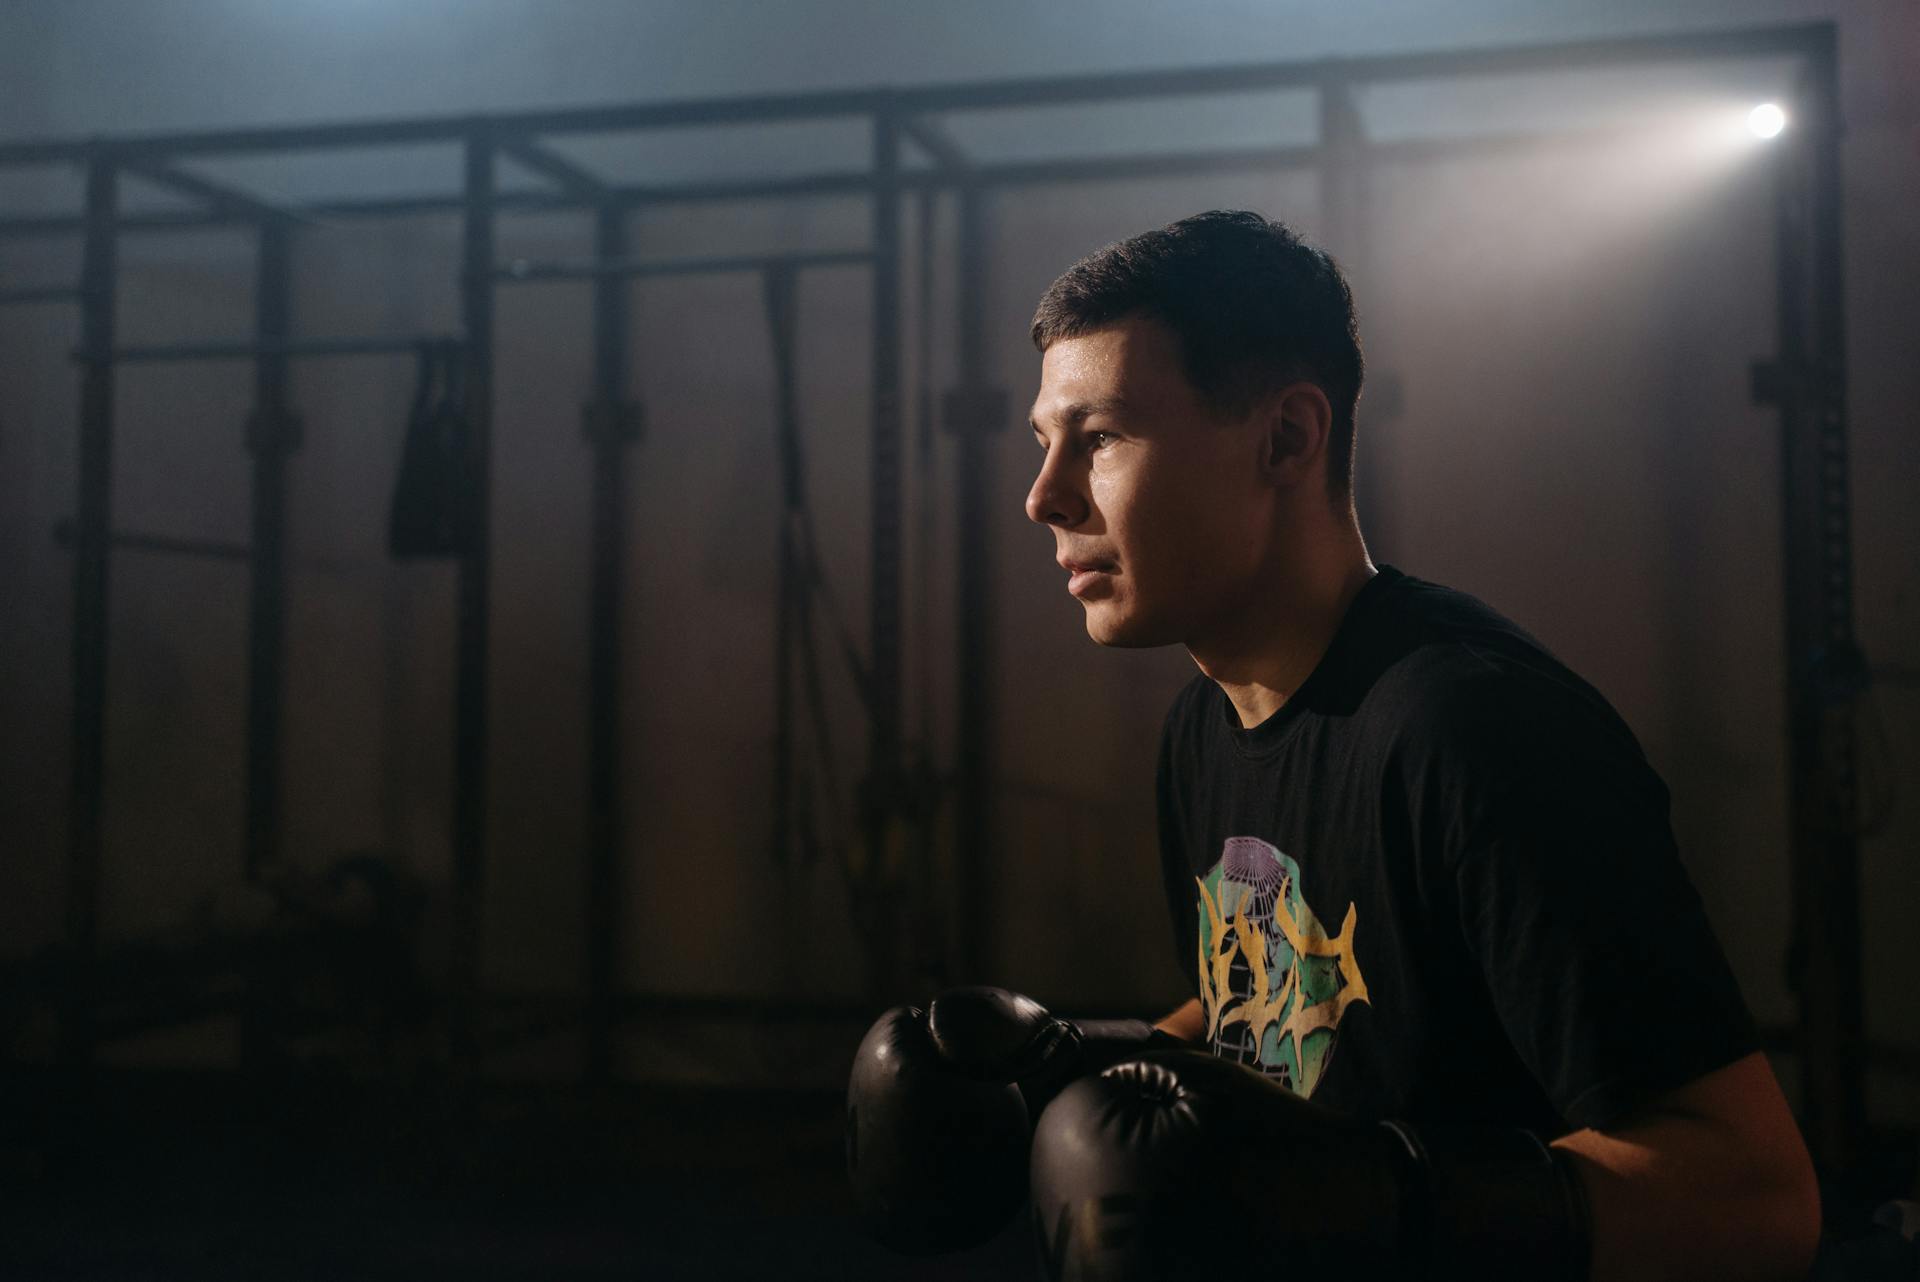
x,y
1162,511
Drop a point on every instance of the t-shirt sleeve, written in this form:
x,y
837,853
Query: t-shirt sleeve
x,y
1597,952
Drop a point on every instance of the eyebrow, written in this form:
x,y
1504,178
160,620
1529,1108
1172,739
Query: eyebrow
x,y
1080,411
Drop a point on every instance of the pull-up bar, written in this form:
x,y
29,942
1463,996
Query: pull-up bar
x,y
252,349
522,270
519,129
40,294
65,534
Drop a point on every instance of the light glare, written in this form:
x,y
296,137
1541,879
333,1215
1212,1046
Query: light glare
x,y
1766,120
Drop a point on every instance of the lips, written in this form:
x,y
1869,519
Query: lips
x,y
1085,575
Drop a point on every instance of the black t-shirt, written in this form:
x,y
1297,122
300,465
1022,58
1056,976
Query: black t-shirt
x,y
1440,883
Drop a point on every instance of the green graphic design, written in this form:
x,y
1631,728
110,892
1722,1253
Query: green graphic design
x,y
1272,984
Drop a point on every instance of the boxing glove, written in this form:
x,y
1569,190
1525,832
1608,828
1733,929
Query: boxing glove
x,y
1185,1166
939,1109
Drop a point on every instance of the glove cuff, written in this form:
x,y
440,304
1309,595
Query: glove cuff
x,y
1490,1203
1077,1048
1106,1042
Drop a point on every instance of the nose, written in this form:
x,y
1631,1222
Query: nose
x,y
1055,499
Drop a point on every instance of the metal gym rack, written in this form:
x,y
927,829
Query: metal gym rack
x,y
1804,380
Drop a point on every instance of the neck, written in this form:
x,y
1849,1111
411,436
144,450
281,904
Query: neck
x,y
1276,638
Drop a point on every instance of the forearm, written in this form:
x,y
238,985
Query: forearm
x,y
1188,1023
1677,1197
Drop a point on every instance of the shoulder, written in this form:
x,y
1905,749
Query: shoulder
x,y
1470,681
1488,735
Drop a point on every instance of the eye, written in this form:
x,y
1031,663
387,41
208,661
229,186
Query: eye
x,y
1096,440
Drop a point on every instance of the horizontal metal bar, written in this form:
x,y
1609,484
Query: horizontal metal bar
x,y
1807,39
698,1006
40,294
24,226
522,270
846,182
1074,169
456,129
19,227
1100,169
856,182
517,202
247,349
66,535
1170,164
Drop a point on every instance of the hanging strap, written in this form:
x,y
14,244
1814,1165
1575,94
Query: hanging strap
x,y
425,519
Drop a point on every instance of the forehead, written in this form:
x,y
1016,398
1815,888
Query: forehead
x,y
1136,361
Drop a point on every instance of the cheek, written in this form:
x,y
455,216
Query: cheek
x,y
1206,535
1132,507
1159,523
1116,497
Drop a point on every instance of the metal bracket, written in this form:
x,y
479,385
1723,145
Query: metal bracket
x,y
1776,382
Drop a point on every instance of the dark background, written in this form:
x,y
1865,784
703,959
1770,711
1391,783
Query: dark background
x,y
1559,420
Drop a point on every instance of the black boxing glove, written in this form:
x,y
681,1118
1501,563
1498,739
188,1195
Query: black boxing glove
x,y
939,1109
1184,1166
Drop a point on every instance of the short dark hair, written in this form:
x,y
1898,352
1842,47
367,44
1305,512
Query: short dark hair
x,y
1252,305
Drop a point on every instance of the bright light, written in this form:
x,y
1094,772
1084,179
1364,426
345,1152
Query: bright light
x,y
1766,120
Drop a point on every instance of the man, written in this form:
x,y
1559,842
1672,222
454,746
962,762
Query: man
x,y
1418,869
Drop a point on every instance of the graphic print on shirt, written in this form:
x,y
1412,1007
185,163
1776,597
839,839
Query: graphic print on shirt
x,y
1273,986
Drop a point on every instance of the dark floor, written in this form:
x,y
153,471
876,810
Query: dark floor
x,y
179,1176
206,1177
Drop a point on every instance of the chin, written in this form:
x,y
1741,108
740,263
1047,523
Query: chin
x,y
1123,633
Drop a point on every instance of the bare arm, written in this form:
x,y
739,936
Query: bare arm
x,y
1187,1023
1711,1180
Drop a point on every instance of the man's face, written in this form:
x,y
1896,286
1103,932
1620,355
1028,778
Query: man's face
x,y
1158,508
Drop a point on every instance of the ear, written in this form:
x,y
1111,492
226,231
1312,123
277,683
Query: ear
x,y
1298,418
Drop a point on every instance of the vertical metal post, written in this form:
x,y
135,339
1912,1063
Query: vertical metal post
x,y
610,424
795,665
92,523
777,284
884,777
1825,670
975,411
1345,198
272,436
1343,175
930,962
470,684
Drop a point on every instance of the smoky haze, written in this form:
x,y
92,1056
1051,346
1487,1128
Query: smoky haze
x,y
1558,419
